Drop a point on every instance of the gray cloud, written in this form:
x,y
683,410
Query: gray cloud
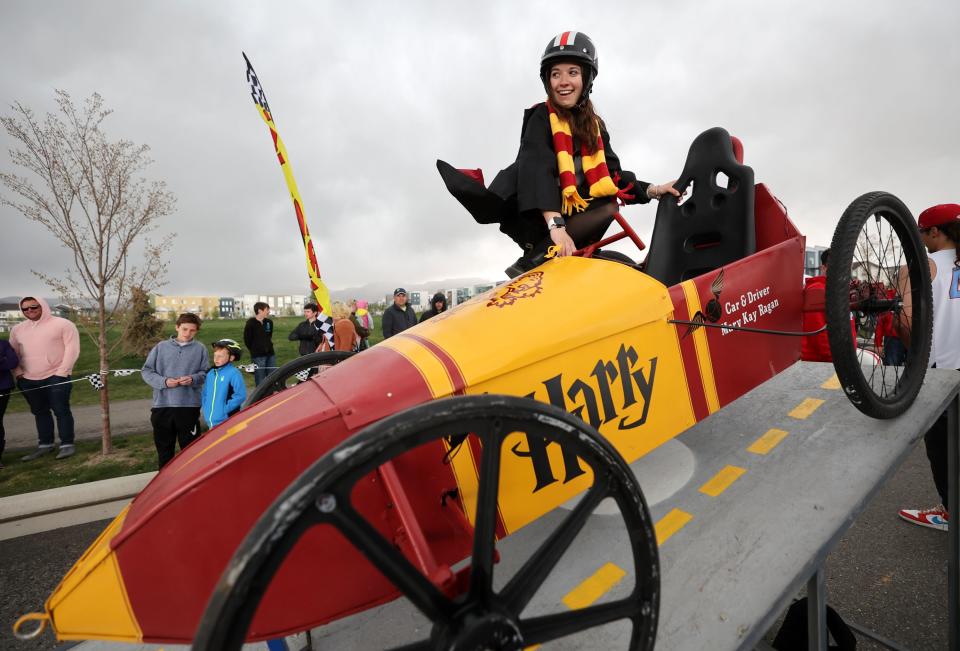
x,y
830,100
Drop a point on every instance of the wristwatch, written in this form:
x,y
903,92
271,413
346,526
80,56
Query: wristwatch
x,y
556,222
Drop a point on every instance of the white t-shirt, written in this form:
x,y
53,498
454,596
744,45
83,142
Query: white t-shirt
x,y
946,311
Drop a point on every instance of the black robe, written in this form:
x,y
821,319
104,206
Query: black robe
x,y
520,193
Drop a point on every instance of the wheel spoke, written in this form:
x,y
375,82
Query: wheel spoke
x,y
484,532
392,564
550,627
530,577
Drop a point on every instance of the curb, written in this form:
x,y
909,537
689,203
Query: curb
x,y
65,498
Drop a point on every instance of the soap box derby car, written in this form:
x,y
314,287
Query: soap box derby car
x,y
396,471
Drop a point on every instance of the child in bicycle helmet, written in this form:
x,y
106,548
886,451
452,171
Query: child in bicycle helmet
x,y
224,390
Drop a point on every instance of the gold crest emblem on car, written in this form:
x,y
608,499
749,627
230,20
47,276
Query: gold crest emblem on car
x,y
526,286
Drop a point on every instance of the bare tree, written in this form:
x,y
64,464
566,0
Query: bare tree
x,y
89,192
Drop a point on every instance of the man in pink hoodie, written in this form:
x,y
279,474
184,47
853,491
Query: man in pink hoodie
x,y
48,347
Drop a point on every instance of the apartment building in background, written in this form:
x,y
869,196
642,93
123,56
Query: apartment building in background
x,y
169,306
226,307
280,304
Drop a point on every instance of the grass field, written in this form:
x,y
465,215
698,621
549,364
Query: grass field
x,y
132,387
132,455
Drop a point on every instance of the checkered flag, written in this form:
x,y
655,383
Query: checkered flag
x,y
249,368
95,381
256,90
325,325
124,372
303,375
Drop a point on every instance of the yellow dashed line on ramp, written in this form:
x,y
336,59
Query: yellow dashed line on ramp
x,y
768,441
594,587
832,383
805,408
670,524
722,480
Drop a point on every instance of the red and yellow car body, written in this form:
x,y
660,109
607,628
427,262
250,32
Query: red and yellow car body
x,y
592,336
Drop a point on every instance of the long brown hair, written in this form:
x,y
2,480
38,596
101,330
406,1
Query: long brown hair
x,y
583,122
582,119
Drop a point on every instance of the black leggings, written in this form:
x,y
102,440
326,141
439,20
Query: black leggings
x,y
584,228
935,441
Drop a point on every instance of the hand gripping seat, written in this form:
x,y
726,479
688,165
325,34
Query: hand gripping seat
x,y
713,225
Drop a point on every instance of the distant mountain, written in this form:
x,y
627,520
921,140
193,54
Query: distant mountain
x,y
376,291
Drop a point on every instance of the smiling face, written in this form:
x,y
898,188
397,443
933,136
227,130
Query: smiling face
x,y
31,309
566,84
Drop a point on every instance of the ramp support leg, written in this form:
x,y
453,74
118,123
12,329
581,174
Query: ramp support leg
x,y
953,542
817,611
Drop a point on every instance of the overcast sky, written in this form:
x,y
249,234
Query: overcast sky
x,y
831,100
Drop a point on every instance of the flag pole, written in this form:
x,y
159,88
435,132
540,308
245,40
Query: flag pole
x,y
317,287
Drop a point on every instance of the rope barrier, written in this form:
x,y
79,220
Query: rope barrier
x,y
96,382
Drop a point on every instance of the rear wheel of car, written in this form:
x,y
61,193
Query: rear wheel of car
x,y
878,276
294,372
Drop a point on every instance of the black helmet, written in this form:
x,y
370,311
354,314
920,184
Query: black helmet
x,y
232,347
571,46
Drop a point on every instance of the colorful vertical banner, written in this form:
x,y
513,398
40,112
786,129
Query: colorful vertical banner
x,y
320,291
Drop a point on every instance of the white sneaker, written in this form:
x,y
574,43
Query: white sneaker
x,y
935,518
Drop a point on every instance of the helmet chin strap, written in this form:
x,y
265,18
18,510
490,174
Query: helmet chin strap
x,y
587,87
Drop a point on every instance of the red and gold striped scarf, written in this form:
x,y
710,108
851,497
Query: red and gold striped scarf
x,y
594,166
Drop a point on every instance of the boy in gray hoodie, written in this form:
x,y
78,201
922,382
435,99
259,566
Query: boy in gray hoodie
x,y
176,369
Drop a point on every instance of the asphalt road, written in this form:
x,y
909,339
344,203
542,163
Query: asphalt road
x,y
885,574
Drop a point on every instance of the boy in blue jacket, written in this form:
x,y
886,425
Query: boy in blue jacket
x,y
224,390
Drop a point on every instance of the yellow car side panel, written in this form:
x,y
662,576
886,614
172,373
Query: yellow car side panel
x,y
617,368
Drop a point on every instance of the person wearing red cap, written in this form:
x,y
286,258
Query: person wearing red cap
x,y
940,232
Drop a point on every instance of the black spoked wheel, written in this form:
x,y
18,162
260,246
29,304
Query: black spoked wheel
x,y
294,372
878,282
480,617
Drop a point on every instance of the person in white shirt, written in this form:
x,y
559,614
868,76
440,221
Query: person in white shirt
x,y
940,232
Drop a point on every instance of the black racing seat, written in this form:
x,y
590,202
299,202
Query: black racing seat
x,y
713,225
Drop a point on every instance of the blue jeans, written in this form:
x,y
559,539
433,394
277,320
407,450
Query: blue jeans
x,y
894,352
46,399
264,368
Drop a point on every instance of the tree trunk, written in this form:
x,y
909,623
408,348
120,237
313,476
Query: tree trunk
x,y
105,437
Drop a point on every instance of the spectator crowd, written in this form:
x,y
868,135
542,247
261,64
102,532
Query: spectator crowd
x,y
193,388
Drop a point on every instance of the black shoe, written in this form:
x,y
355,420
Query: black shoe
x,y
39,452
525,263
521,266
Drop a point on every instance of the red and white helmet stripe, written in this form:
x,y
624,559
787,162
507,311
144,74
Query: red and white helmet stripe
x,y
566,38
